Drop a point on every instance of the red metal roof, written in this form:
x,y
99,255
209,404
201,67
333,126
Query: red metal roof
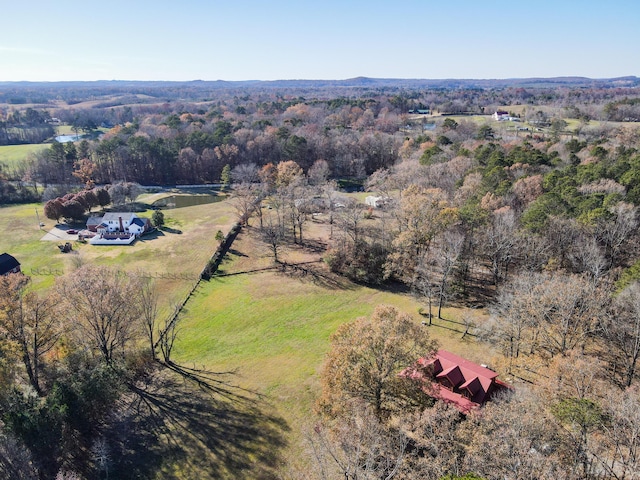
x,y
467,384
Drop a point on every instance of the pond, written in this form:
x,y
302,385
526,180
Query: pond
x,y
180,201
68,138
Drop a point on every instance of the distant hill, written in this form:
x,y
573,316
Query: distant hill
x,y
72,92
628,81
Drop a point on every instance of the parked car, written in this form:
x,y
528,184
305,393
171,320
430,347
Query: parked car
x,y
71,231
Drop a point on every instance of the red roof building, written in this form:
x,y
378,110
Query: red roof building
x,y
456,380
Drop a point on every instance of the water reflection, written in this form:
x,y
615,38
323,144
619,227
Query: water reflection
x,y
180,201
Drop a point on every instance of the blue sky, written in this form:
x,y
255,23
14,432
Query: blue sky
x,y
46,40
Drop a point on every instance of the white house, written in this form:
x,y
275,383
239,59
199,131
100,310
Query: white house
x,y
123,222
376,202
500,116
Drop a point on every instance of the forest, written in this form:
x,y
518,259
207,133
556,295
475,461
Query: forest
x,y
533,221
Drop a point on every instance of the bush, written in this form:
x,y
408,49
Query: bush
x,y
157,218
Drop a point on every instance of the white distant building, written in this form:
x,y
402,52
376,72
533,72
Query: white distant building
x,y
376,202
500,116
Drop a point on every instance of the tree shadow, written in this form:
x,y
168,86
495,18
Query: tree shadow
x,y
187,425
155,233
171,230
316,272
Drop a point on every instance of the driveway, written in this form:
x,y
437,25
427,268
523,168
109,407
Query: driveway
x,y
58,234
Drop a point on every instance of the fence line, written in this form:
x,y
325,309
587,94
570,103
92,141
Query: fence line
x,y
121,273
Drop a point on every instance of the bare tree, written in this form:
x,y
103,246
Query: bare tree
x,y
271,234
358,447
589,257
330,194
423,282
615,233
350,220
246,199
511,324
500,240
149,304
106,306
550,314
31,322
245,173
622,331
319,172
514,437
621,458
436,443
447,252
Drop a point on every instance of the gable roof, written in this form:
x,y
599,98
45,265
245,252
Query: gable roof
x,y
7,263
116,216
457,380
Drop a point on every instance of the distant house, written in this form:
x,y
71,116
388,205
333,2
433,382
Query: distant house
x,y
456,380
8,264
376,202
500,116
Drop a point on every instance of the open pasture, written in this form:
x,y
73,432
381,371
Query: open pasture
x,y
174,255
12,155
273,327
270,327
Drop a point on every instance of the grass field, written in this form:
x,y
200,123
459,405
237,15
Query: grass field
x,y
12,155
182,248
273,330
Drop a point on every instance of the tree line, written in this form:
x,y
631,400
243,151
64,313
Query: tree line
x,y
88,385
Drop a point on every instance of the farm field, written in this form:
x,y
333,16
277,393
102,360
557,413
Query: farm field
x,y
272,329
12,155
178,253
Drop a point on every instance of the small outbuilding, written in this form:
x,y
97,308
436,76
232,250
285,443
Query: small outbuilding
x,y
8,264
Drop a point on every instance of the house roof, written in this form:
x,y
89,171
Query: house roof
x,y
116,216
138,221
94,220
7,263
456,380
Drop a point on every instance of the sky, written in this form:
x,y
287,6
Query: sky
x,y
64,40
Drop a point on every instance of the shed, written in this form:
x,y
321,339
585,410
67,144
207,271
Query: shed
x,y
8,264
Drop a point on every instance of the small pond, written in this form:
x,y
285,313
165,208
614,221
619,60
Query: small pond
x,y
68,138
180,201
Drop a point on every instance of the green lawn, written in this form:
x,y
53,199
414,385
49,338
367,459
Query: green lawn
x,y
21,238
13,155
273,330
183,248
